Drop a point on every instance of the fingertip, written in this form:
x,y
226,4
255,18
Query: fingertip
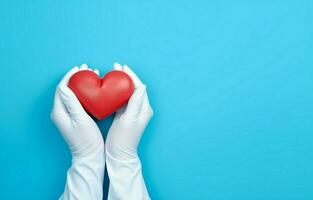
x,y
117,66
126,68
96,71
84,67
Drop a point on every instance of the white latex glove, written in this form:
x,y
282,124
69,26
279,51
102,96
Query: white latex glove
x,y
130,121
85,177
123,164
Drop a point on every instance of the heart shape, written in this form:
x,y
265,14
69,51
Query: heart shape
x,y
101,97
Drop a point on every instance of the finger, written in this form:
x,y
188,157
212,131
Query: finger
x,y
59,114
96,71
145,103
117,67
58,105
136,100
62,120
145,110
84,67
72,104
137,82
68,75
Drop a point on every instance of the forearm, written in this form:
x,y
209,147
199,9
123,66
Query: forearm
x,y
126,180
85,178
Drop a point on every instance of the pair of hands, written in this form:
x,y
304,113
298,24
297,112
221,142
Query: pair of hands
x,y
82,134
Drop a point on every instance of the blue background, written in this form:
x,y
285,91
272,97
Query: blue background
x,y
231,84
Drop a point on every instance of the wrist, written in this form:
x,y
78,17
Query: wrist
x,y
87,151
94,160
121,152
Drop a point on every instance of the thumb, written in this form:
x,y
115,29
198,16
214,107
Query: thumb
x,y
72,104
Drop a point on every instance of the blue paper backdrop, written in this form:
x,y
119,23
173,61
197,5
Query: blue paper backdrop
x,y
231,83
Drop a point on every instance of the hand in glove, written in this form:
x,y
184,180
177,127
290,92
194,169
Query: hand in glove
x,y
129,121
123,164
85,177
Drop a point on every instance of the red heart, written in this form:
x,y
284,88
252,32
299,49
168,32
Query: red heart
x,y
101,97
